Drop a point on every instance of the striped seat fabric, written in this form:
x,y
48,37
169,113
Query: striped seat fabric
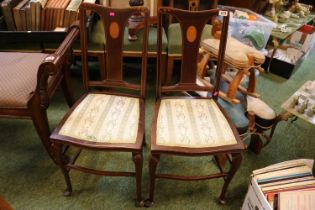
x,y
193,123
104,119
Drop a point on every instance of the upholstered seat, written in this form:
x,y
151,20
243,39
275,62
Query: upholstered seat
x,y
237,114
18,75
175,39
193,123
236,52
265,116
29,80
104,118
97,39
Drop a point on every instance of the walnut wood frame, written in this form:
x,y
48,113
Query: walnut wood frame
x,y
171,58
187,82
138,54
113,79
54,66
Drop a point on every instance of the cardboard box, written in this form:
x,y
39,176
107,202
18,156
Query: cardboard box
x,y
255,199
284,62
303,39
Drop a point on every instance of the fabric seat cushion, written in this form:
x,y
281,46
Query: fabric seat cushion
x,y
192,123
175,38
97,39
235,111
237,114
236,52
104,119
18,77
265,116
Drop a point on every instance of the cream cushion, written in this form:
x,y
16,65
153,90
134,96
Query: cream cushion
x,y
193,123
236,52
260,108
105,119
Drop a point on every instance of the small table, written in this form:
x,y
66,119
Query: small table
x,y
278,37
304,95
291,112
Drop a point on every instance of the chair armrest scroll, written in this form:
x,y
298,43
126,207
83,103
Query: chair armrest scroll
x,y
59,61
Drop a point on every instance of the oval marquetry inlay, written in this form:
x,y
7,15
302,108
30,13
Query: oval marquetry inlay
x,y
191,33
114,30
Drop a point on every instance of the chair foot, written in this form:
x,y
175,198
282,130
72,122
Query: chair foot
x,y
139,203
148,203
222,201
67,193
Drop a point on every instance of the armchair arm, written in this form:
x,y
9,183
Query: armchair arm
x,y
57,62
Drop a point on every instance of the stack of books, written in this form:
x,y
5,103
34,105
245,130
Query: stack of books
x,y
283,186
54,14
39,15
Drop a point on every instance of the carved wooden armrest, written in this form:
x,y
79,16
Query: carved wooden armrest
x,y
57,62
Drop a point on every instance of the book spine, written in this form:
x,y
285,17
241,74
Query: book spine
x,y
8,16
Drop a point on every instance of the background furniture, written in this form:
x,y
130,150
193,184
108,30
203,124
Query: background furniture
x,y
299,105
111,120
252,117
278,38
29,80
134,48
174,36
191,126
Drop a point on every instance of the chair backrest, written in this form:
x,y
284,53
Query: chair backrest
x,y
192,24
191,5
114,22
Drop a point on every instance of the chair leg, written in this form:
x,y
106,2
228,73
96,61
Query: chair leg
x,y
61,160
40,121
152,168
236,162
221,160
256,143
138,161
67,88
170,66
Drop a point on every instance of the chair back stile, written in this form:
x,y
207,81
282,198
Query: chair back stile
x,y
114,23
192,5
191,33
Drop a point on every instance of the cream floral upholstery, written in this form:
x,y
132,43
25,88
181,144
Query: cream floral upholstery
x,y
105,119
192,123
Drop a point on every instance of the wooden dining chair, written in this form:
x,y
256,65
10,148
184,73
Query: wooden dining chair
x,y
192,126
109,119
28,82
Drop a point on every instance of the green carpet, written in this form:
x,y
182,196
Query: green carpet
x,y
30,180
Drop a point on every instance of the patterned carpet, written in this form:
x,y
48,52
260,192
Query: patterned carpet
x,y
30,180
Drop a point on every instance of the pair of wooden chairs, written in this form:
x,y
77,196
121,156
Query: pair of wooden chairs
x,y
112,119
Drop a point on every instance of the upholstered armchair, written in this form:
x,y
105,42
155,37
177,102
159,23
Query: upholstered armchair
x,y
253,118
29,80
